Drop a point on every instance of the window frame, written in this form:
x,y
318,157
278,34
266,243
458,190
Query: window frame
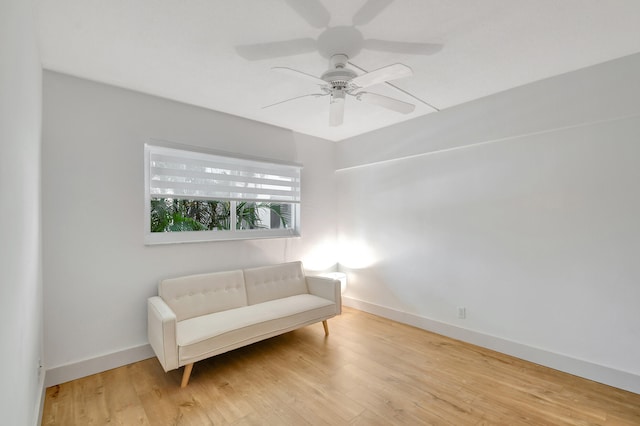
x,y
155,238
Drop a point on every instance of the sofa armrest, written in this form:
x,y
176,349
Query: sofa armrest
x,y
326,288
161,330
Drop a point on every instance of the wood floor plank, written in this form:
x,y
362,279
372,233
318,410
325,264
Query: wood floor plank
x,y
89,397
59,406
368,371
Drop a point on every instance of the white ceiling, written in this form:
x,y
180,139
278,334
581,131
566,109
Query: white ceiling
x,y
187,50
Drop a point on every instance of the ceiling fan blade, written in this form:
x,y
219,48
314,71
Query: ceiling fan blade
x,y
276,49
390,72
386,102
311,11
369,11
314,95
393,86
336,111
402,47
300,74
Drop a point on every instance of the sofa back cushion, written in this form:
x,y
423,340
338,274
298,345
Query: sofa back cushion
x,y
274,282
196,295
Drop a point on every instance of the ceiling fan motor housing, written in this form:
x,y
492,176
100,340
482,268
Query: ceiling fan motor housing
x,y
338,76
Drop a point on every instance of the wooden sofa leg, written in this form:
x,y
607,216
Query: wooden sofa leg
x,y
186,375
326,327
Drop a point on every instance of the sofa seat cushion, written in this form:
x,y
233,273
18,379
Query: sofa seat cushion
x,y
211,334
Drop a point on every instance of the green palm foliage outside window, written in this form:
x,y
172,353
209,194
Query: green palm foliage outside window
x,y
177,215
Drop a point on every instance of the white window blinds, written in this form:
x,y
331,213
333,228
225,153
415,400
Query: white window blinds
x,y
175,173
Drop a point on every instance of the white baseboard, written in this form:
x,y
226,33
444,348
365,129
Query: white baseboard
x,y
76,370
598,373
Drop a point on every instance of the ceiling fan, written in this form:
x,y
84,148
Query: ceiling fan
x,y
338,82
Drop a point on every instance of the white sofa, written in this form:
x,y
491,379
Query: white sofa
x,y
199,316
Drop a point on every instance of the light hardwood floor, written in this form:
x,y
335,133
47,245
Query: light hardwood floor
x,y
368,371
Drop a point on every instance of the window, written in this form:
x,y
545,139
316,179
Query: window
x,y
195,196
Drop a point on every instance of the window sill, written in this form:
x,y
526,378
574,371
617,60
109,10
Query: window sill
x,y
157,238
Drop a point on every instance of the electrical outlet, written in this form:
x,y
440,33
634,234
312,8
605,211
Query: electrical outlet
x,y
462,312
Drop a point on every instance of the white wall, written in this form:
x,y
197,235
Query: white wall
x,y
20,235
522,207
98,273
